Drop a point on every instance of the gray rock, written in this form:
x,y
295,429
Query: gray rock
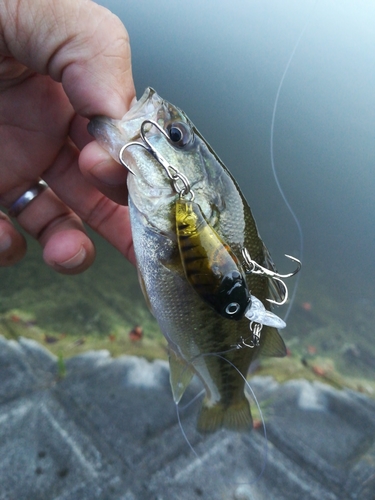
x,y
109,430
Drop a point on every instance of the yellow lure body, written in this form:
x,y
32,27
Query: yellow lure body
x,y
209,264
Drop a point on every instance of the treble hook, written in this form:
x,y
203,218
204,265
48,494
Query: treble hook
x,y
147,146
163,162
255,268
284,295
277,277
255,329
122,161
173,174
299,265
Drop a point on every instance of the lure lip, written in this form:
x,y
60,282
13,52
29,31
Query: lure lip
x,y
258,313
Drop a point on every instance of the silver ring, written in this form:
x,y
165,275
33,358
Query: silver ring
x,y
26,198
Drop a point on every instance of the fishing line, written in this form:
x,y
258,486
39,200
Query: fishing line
x,y
182,429
200,394
293,295
183,408
265,453
296,220
250,389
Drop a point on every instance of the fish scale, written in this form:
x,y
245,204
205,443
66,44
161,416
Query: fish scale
x,y
200,341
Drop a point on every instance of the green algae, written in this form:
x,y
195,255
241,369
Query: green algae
x,y
73,314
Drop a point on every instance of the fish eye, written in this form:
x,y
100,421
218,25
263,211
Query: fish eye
x,y
232,308
179,133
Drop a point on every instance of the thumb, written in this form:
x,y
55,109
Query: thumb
x,y
76,42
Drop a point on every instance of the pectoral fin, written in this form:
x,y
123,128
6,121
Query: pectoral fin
x,y
180,376
271,343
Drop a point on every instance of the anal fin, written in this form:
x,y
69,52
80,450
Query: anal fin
x,y
180,375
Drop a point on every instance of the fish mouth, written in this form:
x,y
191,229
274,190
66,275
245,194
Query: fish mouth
x,y
149,107
146,108
112,135
136,108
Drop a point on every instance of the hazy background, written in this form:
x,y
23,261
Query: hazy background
x,y
222,63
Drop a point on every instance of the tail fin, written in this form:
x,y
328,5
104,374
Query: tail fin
x,y
237,417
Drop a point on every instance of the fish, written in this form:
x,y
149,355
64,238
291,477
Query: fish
x,y
174,173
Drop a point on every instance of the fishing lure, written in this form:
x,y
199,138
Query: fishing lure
x,y
209,264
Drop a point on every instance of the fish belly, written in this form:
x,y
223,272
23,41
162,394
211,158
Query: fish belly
x,y
199,338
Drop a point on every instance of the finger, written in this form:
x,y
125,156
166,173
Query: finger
x,y
12,243
67,248
78,131
48,214
89,51
105,216
101,170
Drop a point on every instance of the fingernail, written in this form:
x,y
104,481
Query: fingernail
x,y
5,241
74,261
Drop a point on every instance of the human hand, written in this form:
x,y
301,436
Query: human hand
x,y
60,62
